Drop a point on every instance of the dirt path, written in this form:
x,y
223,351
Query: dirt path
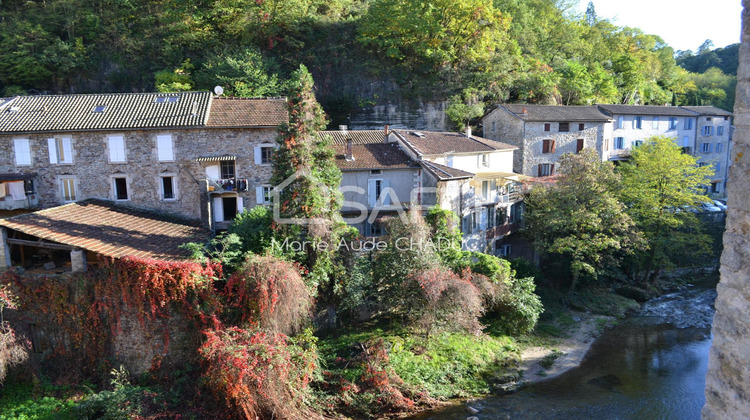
x,y
573,349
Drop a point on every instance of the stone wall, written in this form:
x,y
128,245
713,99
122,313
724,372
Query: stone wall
x,y
565,142
728,380
93,172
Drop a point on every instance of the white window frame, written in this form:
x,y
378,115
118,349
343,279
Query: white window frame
x,y
263,194
60,150
22,152
673,123
258,153
707,130
546,169
161,187
128,190
619,143
637,122
483,160
705,147
164,148
117,153
68,181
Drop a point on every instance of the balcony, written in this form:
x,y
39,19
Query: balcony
x,y
17,192
500,231
619,154
219,186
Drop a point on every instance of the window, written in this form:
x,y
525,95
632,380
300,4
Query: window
x,y
673,123
702,164
373,229
619,143
491,216
563,127
227,169
167,99
688,123
719,147
637,143
60,150
547,126
168,188
719,131
620,122
120,185
99,109
706,147
548,146
376,189
164,147
516,210
546,169
474,220
376,172
638,122
484,160
493,126
714,187
655,123
264,154
504,250
718,166
581,126
707,130
22,150
579,145
68,189
708,118
116,149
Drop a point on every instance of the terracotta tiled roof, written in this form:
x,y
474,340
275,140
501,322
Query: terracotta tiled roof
x,y
110,230
445,173
556,113
247,112
708,110
357,136
116,111
671,111
436,143
373,156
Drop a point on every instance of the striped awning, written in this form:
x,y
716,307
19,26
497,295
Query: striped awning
x,y
216,158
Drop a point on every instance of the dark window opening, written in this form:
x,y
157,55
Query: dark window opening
x,y
266,155
168,187
579,145
230,207
546,126
121,188
564,127
227,169
581,126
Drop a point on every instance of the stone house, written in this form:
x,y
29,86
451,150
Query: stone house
x,y
543,133
188,153
712,143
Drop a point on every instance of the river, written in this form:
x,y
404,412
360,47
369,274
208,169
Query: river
x,y
652,366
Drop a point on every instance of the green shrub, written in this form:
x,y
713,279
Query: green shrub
x,y
254,229
495,268
519,308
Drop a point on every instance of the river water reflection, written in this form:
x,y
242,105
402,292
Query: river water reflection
x,y
641,369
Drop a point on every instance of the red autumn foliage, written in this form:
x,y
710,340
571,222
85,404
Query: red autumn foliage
x,y
258,374
450,301
270,293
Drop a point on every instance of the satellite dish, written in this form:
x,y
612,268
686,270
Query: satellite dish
x,y
218,90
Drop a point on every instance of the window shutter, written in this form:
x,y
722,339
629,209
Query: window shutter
x,y
552,146
213,172
258,156
259,195
552,169
386,193
164,147
116,149
483,220
579,145
371,192
240,205
545,146
539,170
479,161
52,146
67,147
218,209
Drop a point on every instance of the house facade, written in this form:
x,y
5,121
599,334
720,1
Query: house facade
x,y
543,133
474,178
190,153
712,143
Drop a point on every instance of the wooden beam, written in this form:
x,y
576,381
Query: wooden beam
x,y
40,244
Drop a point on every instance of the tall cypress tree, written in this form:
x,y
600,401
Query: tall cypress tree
x,y
307,207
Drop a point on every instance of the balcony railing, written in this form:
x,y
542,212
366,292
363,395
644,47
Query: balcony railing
x,y
218,186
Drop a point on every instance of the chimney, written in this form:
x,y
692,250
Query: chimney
x,y
349,155
387,132
524,111
343,129
468,131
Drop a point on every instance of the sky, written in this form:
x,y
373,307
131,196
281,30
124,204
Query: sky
x,y
682,24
